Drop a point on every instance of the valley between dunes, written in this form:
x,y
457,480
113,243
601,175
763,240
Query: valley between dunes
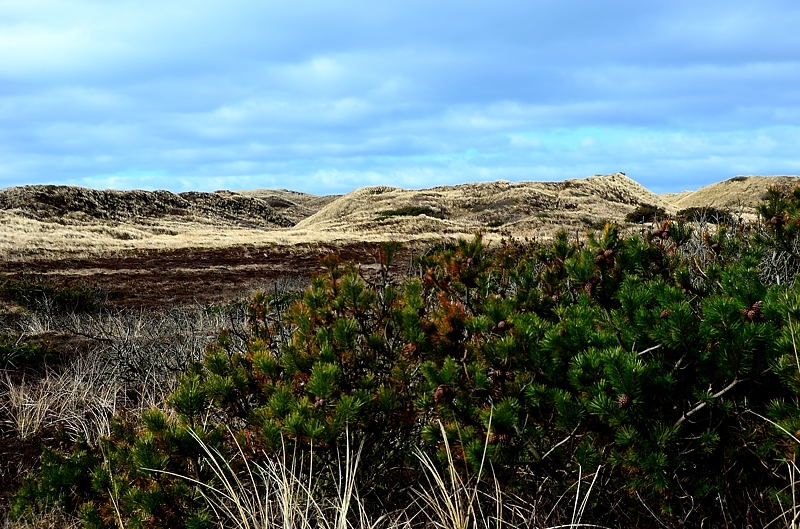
x,y
151,248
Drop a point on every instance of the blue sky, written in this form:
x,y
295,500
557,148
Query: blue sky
x,y
326,97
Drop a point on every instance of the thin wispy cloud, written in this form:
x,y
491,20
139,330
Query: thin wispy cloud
x,y
327,97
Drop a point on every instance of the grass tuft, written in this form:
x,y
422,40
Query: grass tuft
x,y
281,492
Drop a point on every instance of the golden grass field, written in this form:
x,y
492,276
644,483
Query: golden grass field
x,y
54,222
49,221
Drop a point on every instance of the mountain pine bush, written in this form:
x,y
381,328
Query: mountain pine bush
x,y
665,364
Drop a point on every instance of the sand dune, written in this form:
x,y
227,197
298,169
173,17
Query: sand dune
x,y
738,193
521,207
47,221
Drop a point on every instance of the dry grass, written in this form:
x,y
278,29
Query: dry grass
x,y
76,221
739,194
22,237
280,492
133,360
80,400
87,222
56,519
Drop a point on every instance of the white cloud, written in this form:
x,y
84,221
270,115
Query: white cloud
x,y
328,96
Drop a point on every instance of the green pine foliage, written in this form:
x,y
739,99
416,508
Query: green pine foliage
x,y
35,295
20,353
667,363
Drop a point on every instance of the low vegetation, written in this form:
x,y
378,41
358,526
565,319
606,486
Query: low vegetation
x,y
18,352
708,214
646,213
411,211
44,297
630,381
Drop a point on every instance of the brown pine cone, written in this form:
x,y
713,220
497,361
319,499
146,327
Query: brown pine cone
x,y
442,392
753,313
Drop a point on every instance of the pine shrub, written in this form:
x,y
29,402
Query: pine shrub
x,y
708,214
18,353
646,213
38,295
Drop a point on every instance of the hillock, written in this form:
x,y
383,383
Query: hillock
x,y
55,203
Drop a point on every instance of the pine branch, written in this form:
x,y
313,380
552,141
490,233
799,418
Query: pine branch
x,y
700,405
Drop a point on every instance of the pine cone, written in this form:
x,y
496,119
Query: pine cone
x,y
442,392
753,313
665,314
503,325
604,257
624,401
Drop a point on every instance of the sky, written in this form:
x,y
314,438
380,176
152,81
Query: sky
x,y
328,96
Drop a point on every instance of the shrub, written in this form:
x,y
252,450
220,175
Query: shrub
x,y
646,213
411,211
780,221
36,295
18,353
707,214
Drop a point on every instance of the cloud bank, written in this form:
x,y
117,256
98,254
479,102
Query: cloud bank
x,y
326,98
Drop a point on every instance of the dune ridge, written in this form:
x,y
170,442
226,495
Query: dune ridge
x,y
47,221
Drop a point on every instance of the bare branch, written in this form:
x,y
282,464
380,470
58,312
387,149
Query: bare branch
x,y
700,405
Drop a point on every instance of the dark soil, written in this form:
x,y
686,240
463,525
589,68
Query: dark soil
x,y
162,279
